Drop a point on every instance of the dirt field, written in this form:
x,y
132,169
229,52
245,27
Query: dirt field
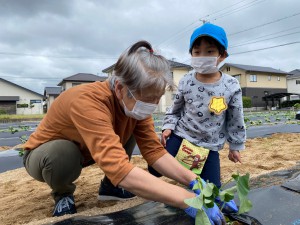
x,y
26,201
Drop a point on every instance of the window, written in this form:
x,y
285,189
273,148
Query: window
x,y
35,101
172,75
253,78
75,84
297,81
227,68
269,77
278,78
238,77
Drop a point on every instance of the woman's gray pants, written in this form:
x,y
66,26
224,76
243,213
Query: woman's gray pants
x,y
59,164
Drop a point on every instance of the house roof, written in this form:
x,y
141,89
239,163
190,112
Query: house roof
x,y
250,68
9,98
18,86
173,65
294,74
83,77
52,90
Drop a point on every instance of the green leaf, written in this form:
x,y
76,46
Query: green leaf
x,y
243,190
201,218
228,194
196,202
21,153
208,190
199,185
245,205
209,203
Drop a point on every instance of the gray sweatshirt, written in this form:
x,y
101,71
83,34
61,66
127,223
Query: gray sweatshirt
x,y
208,114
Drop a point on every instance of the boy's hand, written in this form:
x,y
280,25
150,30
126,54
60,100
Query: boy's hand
x,y
234,156
165,136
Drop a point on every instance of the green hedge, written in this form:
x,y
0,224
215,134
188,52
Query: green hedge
x,y
2,112
24,105
247,103
297,106
290,103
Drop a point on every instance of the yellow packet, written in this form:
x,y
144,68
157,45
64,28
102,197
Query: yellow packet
x,y
192,156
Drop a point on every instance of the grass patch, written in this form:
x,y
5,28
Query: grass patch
x,y
9,118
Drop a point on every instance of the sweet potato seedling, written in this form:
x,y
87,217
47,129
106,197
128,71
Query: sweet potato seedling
x,y
209,192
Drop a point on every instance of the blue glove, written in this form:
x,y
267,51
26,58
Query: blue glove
x,y
214,214
192,183
229,207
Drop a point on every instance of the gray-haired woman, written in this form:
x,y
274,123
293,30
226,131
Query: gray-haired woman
x,y
99,122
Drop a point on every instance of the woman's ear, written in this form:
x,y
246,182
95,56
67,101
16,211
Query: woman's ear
x,y
118,89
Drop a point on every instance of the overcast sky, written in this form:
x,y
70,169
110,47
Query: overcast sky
x,y
42,42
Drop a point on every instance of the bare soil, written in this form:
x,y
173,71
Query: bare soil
x,y
26,201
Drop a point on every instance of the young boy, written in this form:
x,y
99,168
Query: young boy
x,y
208,109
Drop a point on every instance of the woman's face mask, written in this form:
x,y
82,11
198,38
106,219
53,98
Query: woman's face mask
x,y
205,65
141,110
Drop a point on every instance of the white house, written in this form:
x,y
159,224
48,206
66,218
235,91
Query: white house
x,y
293,83
15,99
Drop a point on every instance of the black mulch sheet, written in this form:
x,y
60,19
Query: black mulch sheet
x,y
275,197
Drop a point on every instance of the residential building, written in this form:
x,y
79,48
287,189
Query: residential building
x,y
79,78
50,94
258,82
15,99
293,83
177,72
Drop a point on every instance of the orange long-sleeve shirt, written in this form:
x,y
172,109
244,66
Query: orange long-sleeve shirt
x,y
90,115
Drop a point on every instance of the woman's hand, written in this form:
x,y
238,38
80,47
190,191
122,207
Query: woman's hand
x,y
165,135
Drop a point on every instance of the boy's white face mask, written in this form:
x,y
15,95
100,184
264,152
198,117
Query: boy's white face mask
x,y
141,110
205,65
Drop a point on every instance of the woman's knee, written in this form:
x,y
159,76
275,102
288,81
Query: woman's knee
x,y
58,161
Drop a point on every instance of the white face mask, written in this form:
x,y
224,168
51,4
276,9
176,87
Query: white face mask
x,y
141,110
205,65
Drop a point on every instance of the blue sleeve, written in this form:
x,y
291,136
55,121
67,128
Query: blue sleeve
x,y
235,126
174,112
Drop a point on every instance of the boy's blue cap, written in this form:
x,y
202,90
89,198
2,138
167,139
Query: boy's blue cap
x,y
210,30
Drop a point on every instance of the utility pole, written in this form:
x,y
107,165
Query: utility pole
x,y
204,21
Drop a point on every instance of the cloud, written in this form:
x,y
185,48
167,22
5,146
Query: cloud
x,y
49,40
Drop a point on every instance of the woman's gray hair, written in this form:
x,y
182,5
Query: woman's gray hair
x,y
139,67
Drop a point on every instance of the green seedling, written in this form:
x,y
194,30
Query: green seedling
x,y
246,119
23,139
209,192
12,130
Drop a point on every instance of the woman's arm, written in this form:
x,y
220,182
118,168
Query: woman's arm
x,y
143,184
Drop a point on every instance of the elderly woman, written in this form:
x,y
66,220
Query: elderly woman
x,y
99,122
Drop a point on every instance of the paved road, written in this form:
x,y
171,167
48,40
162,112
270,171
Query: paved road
x,y
11,160
263,131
